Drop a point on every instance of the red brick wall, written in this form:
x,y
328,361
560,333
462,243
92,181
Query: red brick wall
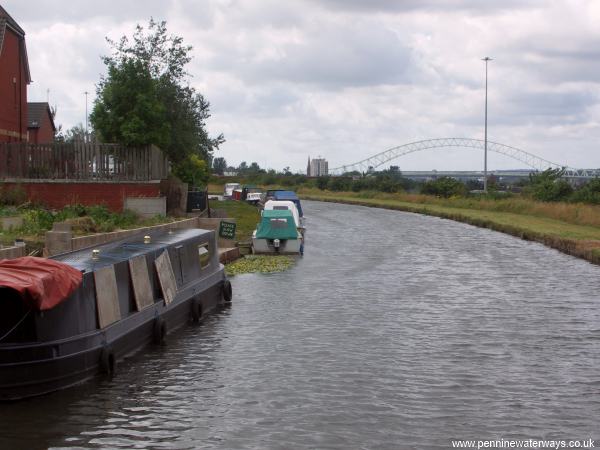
x,y
13,104
45,133
59,194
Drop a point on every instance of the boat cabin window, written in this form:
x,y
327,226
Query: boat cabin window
x,y
278,223
204,255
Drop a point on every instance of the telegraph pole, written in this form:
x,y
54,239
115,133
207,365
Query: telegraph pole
x,y
486,59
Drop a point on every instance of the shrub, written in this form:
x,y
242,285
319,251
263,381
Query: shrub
x,y
13,196
549,186
588,193
444,187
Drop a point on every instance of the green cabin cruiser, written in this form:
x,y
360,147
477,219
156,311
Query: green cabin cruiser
x,y
277,233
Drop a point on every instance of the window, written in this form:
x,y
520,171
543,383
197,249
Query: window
x,y
278,223
204,255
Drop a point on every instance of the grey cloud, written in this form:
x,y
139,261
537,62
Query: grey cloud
x,y
331,59
397,6
75,11
549,108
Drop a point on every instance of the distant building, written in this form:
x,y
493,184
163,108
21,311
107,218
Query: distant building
x,y
14,78
40,123
318,167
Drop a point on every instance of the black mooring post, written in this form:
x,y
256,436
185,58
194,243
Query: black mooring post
x,y
207,202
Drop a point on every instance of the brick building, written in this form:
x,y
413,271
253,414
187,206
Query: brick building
x,y
14,78
40,123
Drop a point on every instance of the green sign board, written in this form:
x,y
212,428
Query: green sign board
x,y
227,230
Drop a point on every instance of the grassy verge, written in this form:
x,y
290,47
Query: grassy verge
x,y
246,215
572,229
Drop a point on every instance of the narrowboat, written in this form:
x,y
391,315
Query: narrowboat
x,y
277,233
65,319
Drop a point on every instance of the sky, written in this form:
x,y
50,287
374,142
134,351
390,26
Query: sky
x,y
346,79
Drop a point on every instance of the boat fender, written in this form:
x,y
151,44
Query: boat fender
x,y
159,331
227,291
108,363
196,310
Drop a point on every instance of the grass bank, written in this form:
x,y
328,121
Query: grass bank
x,y
246,215
573,229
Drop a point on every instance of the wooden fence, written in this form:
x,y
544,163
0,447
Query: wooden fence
x,y
82,161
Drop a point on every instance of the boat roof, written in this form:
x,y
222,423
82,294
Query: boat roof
x,y
123,250
277,224
281,205
277,213
285,195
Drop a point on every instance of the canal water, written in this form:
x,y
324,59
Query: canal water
x,y
394,330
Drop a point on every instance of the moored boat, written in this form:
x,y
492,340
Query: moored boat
x,y
288,205
118,298
277,233
229,188
289,196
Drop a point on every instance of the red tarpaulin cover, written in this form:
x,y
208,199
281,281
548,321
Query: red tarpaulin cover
x,y
41,283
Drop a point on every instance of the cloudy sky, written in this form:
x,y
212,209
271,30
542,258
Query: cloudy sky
x,y
346,79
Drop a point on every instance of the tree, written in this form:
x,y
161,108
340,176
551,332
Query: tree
x,y
549,186
145,97
192,170
219,165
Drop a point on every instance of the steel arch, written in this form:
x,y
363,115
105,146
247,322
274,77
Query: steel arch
x,y
533,161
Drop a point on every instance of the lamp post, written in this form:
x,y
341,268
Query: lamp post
x,y
486,59
86,116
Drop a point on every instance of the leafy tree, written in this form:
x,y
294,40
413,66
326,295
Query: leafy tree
x,y
549,186
193,170
145,97
219,165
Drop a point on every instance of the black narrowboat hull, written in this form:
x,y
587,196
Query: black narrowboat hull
x,y
33,368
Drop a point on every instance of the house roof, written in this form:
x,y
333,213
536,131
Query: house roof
x,y
36,112
6,21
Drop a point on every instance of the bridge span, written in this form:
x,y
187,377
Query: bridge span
x,y
536,163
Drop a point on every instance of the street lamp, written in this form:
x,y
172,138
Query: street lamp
x,y
86,116
486,59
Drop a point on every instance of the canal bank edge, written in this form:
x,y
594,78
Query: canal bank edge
x,y
580,248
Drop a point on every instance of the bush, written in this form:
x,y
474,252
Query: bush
x,y
193,170
339,184
588,193
444,187
323,182
13,196
549,186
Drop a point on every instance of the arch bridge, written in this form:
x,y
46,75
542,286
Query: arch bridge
x,y
534,162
